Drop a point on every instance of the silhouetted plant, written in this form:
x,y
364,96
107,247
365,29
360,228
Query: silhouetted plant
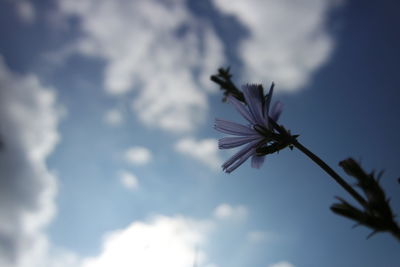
x,y
376,213
265,136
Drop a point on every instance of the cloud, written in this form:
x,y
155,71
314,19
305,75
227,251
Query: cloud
x,y
157,48
160,241
282,264
205,151
113,117
25,11
288,40
226,211
138,155
57,257
256,236
128,180
28,130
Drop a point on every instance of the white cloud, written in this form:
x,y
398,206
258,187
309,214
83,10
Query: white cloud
x,y
256,236
57,257
113,117
138,155
28,128
288,39
128,180
26,11
226,211
282,264
177,241
154,47
161,241
206,151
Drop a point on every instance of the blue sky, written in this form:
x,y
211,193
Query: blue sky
x,y
110,157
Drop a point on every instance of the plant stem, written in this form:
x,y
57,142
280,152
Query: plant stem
x,y
293,141
396,232
331,172
392,226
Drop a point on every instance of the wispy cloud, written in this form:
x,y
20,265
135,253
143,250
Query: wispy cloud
x,y
256,236
57,257
288,40
226,211
113,117
25,11
138,155
282,264
205,151
129,180
156,48
29,118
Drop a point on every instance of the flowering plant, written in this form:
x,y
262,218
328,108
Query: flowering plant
x,y
263,135
255,136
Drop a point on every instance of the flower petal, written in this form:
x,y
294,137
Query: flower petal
x,y
233,128
231,142
240,161
276,110
240,154
241,108
253,95
257,161
268,98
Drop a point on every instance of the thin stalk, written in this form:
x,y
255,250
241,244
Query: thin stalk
x,y
331,172
396,232
320,163
394,229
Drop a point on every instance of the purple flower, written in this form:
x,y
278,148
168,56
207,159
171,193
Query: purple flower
x,y
256,134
